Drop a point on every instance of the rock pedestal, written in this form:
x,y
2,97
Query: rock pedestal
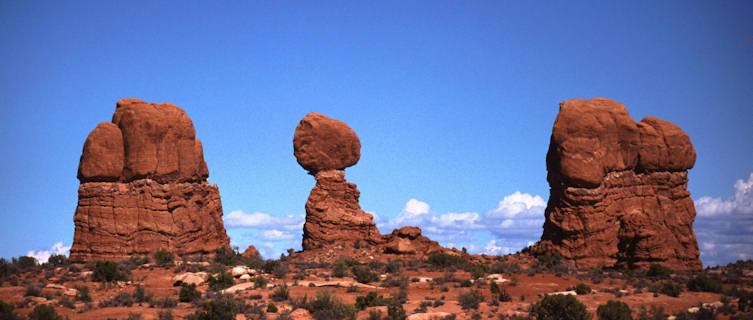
x,y
618,190
144,187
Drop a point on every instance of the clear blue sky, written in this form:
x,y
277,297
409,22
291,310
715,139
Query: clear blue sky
x,y
453,102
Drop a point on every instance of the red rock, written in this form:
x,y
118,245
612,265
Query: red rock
x,y
143,188
322,143
251,252
102,157
333,213
408,240
618,190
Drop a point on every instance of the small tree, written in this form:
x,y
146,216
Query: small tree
x,y
106,271
363,274
58,260
582,288
704,283
188,293
220,281
164,258
560,307
470,299
614,310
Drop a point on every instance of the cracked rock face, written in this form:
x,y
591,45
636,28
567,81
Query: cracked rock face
x,y
618,190
144,187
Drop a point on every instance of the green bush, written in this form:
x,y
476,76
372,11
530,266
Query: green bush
x,y
614,310
658,271
371,299
271,308
58,260
140,295
44,312
444,260
139,260
82,294
479,270
560,307
165,315
550,261
503,267
395,310
188,293
25,262
220,308
327,306
226,256
582,288
107,271
6,312
164,258
260,282
220,281
470,299
671,289
339,268
281,293
704,283
363,274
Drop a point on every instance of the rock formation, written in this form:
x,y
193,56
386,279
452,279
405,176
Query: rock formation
x,y
144,187
618,189
325,147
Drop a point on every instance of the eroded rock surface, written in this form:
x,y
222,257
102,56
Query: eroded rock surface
x,y
144,187
618,189
324,147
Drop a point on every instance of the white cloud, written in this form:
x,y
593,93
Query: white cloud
x,y
260,220
724,227
413,213
43,255
740,203
518,205
465,220
276,235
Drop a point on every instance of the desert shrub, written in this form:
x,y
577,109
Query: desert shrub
x,y
7,269
32,291
560,307
82,294
271,308
280,270
395,311
139,260
470,299
658,271
504,296
582,288
444,260
6,312
58,260
402,294
260,282
226,256
122,299
466,283
164,303
375,315
504,267
671,289
371,299
270,265
745,298
479,270
134,316
656,313
393,280
394,266
107,271
327,306
220,308
220,281
339,268
363,274
164,258
188,293
549,261
281,293
140,295
614,310
25,262
704,283
44,312
165,315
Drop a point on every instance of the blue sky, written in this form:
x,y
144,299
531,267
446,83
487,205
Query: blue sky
x,y
453,103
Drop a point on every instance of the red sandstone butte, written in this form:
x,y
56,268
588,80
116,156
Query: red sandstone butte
x,y
618,190
144,187
322,143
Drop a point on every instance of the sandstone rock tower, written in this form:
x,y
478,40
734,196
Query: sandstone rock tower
x,y
144,187
325,147
618,189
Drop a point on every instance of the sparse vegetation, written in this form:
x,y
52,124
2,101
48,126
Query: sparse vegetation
x,y
704,283
658,271
188,293
444,260
220,281
339,268
560,307
371,299
260,282
44,312
220,308
614,310
671,289
470,299
164,258
363,274
58,260
6,312
582,289
281,293
107,271
327,306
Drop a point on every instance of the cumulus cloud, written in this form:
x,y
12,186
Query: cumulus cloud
x,y
724,227
276,235
43,255
238,218
517,219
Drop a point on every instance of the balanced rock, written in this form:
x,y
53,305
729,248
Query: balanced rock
x,y
322,143
144,187
618,190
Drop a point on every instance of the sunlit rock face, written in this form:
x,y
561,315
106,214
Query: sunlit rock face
x,y
618,189
144,187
